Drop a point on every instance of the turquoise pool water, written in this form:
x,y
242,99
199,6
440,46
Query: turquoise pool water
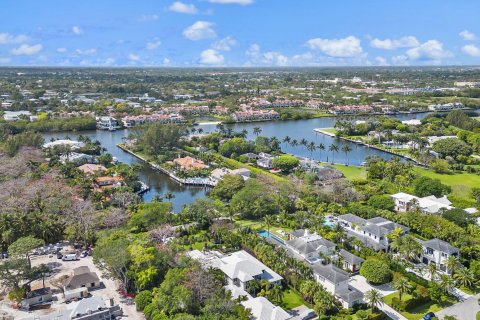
x,y
266,234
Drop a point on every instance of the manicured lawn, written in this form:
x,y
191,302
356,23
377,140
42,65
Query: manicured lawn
x,y
461,183
350,172
329,130
418,312
291,299
478,315
259,225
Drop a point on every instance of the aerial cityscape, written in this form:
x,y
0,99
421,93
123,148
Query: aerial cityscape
x,y
240,159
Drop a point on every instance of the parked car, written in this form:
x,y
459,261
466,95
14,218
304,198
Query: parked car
x,y
429,316
59,255
70,257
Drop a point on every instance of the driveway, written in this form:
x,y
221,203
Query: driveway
x,y
466,310
361,284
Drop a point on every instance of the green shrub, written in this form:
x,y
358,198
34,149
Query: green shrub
x,y
143,299
376,271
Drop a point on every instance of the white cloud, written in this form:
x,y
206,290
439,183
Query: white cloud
x,y
241,2
62,50
471,50
86,52
148,18
133,57
181,7
109,61
467,35
275,58
381,61
253,51
77,30
26,50
166,61
200,30
339,48
153,44
224,44
211,57
430,50
392,44
400,60
7,38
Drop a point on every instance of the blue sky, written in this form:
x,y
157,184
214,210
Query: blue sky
x,y
239,32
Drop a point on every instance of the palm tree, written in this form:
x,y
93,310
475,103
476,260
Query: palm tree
x,y
465,277
169,195
257,131
311,147
253,286
268,220
193,130
346,149
287,139
446,282
244,133
374,298
320,147
333,148
451,264
200,130
432,271
403,286
276,294
274,143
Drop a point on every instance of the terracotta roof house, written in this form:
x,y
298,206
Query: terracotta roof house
x,y
90,168
189,163
106,182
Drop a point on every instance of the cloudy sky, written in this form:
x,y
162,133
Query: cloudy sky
x,y
239,32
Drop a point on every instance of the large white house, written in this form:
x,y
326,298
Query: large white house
x,y
310,246
405,202
262,309
335,281
438,251
240,268
372,232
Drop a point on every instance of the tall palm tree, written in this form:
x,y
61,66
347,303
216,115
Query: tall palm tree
x,y
374,298
346,149
446,282
432,271
287,139
276,294
311,147
169,195
200,130
320,147
294,143
451,264
274,143
244,133
269,220
193,130
465,277
333,148
257,131
402,285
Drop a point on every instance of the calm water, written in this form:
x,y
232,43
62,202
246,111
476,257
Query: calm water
x,y
161,184
158,182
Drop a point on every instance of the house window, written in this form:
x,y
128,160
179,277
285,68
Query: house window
x,y
429,251
444,255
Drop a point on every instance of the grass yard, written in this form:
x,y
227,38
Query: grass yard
x,y
478,315
350,172
418,312
291,299
259,225
461,183
329,130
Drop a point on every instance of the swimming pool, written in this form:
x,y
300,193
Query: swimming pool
x,y
329,223
266,234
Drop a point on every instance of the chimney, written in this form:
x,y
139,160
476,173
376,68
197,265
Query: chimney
x,y
112,302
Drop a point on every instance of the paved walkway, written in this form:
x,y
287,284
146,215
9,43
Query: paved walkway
x,y
466,310
361,284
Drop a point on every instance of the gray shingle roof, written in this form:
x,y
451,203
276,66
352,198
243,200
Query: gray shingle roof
x,y
352,218
350,257
440,245
308,247
330,272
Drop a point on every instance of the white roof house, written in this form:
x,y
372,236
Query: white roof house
x,y
262,309
15,115
405,202
64,142
243,266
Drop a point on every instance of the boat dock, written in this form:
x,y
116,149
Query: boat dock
x,y
199,182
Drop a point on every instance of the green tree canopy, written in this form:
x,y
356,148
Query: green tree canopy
x,y
285,162
376,271
426,186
